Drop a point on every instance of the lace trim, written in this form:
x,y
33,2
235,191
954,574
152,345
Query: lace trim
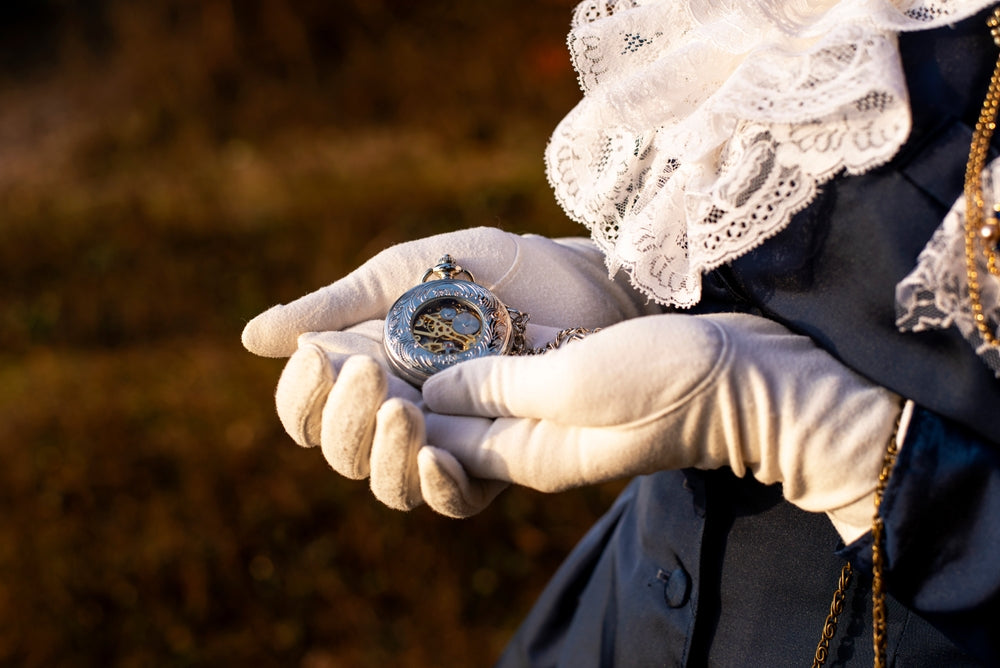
x,y
707,124
935,294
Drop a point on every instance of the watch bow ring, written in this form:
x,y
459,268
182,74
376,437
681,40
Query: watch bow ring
x,y
447,319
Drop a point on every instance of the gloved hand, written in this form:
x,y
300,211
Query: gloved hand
x,y
559,283
669,392
335,391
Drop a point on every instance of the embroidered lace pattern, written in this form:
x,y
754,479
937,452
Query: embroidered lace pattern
x,y
935,294
707,124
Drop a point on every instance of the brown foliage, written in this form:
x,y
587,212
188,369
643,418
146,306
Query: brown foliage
x,y
167,170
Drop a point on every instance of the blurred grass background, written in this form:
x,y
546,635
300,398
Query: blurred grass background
x,y
169,169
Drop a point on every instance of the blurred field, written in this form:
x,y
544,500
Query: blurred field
x,y
169,169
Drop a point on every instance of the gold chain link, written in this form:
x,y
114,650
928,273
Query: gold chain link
x,y
980,230
879,625
563,336
878,569
836,607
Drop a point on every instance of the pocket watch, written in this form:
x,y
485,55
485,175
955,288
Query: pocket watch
x,y
445,320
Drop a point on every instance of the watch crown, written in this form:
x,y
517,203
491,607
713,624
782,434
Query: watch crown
x,y
447,268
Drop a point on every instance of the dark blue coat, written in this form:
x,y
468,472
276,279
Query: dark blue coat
x,y
703,568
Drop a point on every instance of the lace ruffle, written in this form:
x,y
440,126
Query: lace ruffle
x,y
935,294
705,125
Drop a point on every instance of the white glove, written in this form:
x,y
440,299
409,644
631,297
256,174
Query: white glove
x,y
367,421
559,283
336,392
669,392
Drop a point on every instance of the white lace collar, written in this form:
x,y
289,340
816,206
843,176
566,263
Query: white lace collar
x,y
707,124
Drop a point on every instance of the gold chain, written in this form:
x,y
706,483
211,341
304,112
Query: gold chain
x,y
981,230
836,607
878,554
878,569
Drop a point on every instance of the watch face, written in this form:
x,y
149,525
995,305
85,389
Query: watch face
x,y
442,322
446,326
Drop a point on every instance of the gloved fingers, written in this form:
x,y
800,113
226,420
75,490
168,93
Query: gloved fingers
x,y
338,402
633,369
311,372
463,435
399,437
348,416
302,390
370,290
547,456
362,339
365,338
448,489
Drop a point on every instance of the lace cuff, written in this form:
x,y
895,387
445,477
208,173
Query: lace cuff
x,y
706,125
935,294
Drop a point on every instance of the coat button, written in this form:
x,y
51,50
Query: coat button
x,y
676,586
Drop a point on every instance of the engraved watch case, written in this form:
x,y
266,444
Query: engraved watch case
x,y
446,320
